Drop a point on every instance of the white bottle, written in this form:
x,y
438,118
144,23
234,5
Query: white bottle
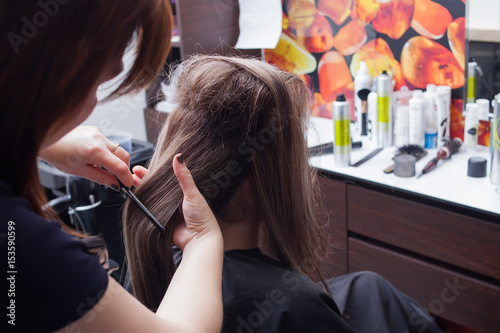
x,y
363,80
400,116
384,110
372,116
430,127
443,110
342,124
401,120
471,126
416,119
484,109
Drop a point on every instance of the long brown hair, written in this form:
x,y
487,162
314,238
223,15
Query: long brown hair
x,y
51,54
233,118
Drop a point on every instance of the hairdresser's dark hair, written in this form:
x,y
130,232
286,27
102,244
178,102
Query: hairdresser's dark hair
x,y
51,54
233,118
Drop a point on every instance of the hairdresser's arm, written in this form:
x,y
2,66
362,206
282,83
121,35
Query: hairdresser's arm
x,y
193,301
196,287
83,151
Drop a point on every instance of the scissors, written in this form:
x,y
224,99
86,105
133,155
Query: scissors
x,y
126,193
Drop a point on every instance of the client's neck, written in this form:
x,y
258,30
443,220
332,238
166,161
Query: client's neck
x,y
240,236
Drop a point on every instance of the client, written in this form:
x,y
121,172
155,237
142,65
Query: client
x,y
240,125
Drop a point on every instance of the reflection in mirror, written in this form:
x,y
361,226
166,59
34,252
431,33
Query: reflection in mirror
x,y
483,41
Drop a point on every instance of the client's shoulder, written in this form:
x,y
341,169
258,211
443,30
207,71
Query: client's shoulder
x,y
254,271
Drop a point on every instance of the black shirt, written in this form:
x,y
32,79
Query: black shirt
x,y
263,295
52,281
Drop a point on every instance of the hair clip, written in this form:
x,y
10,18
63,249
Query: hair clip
x,y
126,193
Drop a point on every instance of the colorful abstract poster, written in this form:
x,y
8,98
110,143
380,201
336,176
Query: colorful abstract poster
x,y
416,41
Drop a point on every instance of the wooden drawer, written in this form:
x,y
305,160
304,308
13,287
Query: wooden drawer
x,y
456,297
455,239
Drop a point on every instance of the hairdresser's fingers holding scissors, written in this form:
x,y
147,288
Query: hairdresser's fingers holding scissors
x,y
198,216
84,150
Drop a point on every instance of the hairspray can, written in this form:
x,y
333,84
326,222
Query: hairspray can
x,y
342,123
495,142
384,92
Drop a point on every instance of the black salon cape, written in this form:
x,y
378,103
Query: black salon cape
x,y
55,280
263,295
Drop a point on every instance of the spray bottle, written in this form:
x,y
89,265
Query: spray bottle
x,y
384,92
342,123
363,80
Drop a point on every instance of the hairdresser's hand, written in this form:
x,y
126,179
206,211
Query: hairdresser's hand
x,y
83,151
200,222
139,172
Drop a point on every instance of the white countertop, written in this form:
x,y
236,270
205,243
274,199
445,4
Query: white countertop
x,y
448,181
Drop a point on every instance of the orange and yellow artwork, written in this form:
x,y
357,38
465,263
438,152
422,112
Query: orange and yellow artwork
x,y
416,41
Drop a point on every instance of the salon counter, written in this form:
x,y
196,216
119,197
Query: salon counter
x,y
437,238
448,183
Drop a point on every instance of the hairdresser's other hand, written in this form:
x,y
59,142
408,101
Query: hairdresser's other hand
x,y
83,151
200,222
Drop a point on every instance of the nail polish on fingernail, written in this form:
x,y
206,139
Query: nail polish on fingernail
x,y
180,158
114,187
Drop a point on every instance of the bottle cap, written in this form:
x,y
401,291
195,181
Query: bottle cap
x,y
431,88
477,167
340,98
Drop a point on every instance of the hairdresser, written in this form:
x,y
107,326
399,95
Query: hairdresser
x,y
53,56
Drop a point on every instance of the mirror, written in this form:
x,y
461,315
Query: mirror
x,y
483,41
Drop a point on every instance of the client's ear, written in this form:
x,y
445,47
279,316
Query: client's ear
x,y
139,174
